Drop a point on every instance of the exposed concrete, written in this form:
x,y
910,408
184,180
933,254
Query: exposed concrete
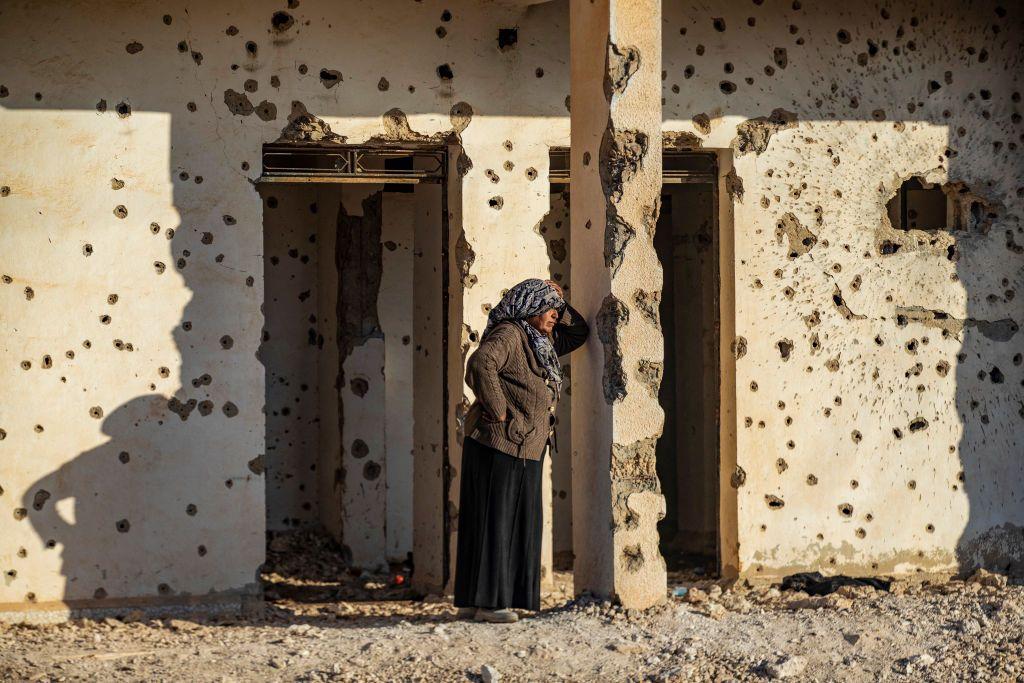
x,y
616,171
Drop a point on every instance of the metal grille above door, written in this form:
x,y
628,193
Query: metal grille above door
x,y
302,163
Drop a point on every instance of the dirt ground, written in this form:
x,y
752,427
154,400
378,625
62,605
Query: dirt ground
x,y
324,623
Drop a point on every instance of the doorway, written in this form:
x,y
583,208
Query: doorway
x,y
686,241
355,349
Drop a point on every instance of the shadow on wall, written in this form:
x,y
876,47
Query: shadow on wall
x,y
131,490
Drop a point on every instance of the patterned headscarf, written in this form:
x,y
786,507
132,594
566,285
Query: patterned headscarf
x,y
525,300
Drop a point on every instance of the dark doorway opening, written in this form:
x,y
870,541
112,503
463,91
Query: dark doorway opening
x,y
355,349
686,240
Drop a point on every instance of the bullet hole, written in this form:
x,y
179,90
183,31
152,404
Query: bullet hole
x,y
781,465
844,36
3,435
359,386
191,510
303,69
207,238
444,72
371,470
201,550
739,347
120,211
87,344
40,498
729,68
250,281
164,372
122,526
20,514
251,48
996,375
47,362
846,510
719,24
133,47
785,348
774,502
441,31
728,87
124,457
38,96
105,319
205,408
688,71
281,21
228,219
812,480
753,386
4,92
29,294
491,175
38,429
383,84
897,433
123,109
96,412
26,365
539,72
496,203
230,409
856,436
163,589
911,346
7,279
507,38
918,424
933,86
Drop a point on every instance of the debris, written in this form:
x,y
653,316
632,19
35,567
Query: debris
x,y
987,578
814,583
785,667
909,665
488,674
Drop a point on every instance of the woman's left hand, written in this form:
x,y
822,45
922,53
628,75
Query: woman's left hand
x,y
556,286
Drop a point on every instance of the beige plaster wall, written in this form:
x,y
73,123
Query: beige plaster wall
x,y
877,443
175,100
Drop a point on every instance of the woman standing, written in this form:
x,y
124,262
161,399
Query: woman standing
x,y
516,377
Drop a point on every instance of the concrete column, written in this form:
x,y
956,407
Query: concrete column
x,y
616,280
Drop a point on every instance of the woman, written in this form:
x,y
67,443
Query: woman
x,y
516,377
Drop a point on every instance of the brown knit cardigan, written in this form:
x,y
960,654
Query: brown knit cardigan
x,y
509,383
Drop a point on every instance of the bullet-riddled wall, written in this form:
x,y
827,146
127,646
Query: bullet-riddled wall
x,y
871,408
133,399
875,422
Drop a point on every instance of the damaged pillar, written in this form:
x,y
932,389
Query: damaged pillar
x,y
616,279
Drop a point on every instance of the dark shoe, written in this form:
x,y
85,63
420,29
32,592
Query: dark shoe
x,y
466,613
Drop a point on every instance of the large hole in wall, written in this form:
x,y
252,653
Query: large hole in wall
x,y
687,453
352,348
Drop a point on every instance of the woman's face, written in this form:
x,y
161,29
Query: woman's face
x,y
545,322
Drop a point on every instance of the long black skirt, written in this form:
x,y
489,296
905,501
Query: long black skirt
x,y
497,563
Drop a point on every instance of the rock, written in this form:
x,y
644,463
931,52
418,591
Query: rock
x,y
909,665
987,578
851,638
785,667
488,674
626,647
715,610
695,596
278,663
